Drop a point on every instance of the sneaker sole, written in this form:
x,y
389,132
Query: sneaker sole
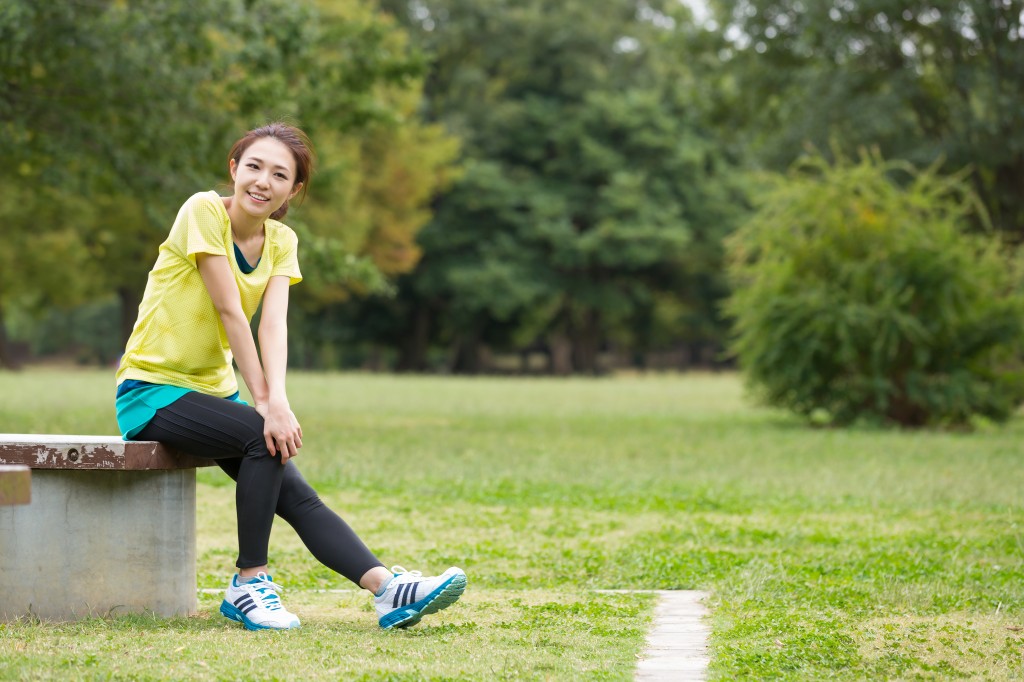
x,y
229,610
441,598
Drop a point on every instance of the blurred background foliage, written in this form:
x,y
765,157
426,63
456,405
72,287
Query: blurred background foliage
x,y
860,299
513,185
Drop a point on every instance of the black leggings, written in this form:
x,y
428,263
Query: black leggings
x,y
232,434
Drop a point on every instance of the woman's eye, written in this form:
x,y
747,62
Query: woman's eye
x,y
282,176
252,165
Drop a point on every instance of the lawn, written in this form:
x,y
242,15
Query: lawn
x,y
829,554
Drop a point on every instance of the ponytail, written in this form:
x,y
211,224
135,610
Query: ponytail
x,y
281,212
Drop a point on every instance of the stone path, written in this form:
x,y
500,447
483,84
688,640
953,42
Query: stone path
x,y
677,643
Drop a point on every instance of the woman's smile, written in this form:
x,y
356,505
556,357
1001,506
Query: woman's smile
x,y
264,176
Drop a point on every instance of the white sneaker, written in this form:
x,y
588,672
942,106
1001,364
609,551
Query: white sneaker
x,y
409,596
255,604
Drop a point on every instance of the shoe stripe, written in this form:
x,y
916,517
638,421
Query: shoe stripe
x,y
247,603
413,597
408,591
398,596
440,598
405,594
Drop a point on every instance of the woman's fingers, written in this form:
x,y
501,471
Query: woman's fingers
x,y
285,446
283,435
295,437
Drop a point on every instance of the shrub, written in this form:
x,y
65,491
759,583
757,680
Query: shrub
x,y
857,297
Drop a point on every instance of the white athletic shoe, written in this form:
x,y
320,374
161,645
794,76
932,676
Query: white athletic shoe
x,y
256,605
409,596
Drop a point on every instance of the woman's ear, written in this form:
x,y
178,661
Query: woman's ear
x,y
295,189
232,168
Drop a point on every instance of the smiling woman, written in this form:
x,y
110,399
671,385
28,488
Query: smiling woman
x,y
285,150
222,258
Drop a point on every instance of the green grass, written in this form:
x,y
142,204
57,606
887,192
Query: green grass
x,y
854,554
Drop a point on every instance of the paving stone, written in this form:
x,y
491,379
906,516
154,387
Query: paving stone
x,y
676,647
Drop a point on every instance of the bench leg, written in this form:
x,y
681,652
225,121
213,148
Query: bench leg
x,y
98,543
15,485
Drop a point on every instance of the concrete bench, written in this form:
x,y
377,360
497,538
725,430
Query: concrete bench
x,y
110,529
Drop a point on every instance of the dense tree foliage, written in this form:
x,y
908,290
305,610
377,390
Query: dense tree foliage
x,y
508,176
132,107
857,298
590,182
922,80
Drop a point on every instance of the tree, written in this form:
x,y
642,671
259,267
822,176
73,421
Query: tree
x,y
923,81
106,101
48,266
860,298
586,175
122,104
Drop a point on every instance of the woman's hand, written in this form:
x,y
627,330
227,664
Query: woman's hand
x,y
280,429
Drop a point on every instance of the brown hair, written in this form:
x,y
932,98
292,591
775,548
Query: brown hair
x,y
293,138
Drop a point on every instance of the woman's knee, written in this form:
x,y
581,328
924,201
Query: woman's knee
x,y
297,496
254,443
255,447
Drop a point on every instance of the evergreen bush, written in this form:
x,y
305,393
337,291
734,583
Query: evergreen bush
x,y
859,295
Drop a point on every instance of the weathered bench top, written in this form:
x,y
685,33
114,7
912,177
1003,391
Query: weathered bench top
x,y
38,451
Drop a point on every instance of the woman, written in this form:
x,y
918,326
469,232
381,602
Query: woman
x,y
176,384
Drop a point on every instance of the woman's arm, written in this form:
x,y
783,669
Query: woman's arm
x,y
273,334
281,431
220,283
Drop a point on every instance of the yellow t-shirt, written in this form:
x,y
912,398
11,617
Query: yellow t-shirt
x,y
178,338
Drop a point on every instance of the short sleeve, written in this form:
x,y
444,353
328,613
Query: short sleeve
x,y
204,226
286,256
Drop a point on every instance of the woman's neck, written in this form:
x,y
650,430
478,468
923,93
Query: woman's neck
x,y
243,226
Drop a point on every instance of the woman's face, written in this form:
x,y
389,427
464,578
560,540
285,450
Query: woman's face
x,y
264,177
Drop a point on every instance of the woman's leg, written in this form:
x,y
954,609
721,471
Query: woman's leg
x,y
232,434
324,533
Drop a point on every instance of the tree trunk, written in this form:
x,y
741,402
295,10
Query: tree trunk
x,y
130,300
559,355
413,352
6,358
586,338
467,353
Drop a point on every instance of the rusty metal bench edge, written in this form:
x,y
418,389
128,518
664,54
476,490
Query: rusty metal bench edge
x,y
110,453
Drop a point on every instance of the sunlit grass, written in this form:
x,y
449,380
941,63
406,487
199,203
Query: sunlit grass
x,y
854,554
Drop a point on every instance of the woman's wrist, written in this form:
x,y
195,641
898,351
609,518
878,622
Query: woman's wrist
x,y
258,387
277,398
